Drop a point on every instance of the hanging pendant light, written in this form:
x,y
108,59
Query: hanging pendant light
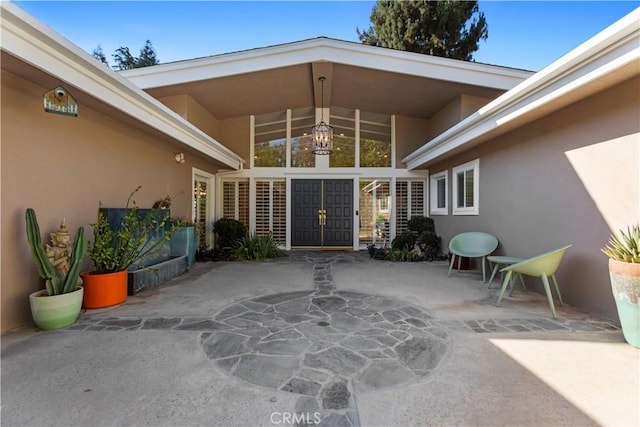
x,y
322,133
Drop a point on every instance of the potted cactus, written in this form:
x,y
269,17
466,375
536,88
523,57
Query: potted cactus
x,y
624,270
59,304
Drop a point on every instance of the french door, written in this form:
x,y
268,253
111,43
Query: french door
x,y
322,213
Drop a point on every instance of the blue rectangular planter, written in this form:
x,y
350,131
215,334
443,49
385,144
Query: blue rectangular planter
x,y
183,242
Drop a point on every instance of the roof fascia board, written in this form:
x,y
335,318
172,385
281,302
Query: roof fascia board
x,y
322,49
31,41
604,54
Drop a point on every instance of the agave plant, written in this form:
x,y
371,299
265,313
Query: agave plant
x,y
626,248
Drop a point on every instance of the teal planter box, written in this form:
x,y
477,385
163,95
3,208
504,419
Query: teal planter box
x,y
183,242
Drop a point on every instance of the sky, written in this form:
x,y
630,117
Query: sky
x,y
522,34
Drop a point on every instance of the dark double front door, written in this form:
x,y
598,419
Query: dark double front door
x,y
322,212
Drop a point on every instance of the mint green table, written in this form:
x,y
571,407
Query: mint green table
x,y
498,261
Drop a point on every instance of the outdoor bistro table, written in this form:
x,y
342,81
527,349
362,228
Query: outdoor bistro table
x,y
498,261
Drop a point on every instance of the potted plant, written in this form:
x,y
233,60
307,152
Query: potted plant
x,y
624,270
59,264
183,239
119,243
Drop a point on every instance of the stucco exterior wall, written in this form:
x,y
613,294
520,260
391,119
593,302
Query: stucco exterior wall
x,y
192,111
568,178
62,167
235,134
410,135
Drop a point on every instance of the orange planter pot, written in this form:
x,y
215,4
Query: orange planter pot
x,y
104,290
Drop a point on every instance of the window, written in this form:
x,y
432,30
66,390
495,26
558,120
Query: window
x,y
270,144
271,205
465,188
375,140
235,200
409,202
438,190
302,120
343,121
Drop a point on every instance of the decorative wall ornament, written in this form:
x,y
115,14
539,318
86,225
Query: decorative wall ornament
x,y
59,101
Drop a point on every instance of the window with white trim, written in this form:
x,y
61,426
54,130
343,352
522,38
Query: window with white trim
x,y
465,188
438,193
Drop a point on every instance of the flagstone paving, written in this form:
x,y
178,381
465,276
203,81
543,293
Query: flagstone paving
x,y
325,344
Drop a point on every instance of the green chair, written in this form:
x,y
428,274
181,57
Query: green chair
x,y
472,244
543,266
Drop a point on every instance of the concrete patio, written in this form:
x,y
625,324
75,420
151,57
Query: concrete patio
x,y
324,338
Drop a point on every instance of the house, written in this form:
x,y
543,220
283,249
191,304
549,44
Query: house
x,y
539,160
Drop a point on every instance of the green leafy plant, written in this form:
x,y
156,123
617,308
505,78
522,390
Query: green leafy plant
x,y
420,224
627,247
56,281
228,232
404,240
256,247
137,237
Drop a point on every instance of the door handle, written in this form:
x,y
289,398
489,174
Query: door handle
x,y
322,217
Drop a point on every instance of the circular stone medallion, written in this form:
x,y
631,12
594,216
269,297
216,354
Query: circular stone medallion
x,y
298,341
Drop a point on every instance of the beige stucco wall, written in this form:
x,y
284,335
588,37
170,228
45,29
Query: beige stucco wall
x,y
569,178
410,135
195,113
62,167
236,135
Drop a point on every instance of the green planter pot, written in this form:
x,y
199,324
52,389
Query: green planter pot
x,y
625,285
57,311
183,242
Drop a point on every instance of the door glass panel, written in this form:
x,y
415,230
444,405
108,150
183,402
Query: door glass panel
x,y
375,211
201,213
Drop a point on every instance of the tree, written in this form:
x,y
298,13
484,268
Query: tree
x,y
99,55
124,60
451,29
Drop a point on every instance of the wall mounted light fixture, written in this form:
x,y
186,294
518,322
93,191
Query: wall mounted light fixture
x,y
179,157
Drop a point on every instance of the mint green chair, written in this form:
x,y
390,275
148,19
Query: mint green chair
x,y
543,266
472,244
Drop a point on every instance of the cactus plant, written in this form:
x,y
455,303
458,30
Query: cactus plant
x,y
56,282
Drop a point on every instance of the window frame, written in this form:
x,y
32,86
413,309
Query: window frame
x,y
433,192
473,165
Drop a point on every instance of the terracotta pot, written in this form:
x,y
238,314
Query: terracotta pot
x,y
54,312
104,290
625,285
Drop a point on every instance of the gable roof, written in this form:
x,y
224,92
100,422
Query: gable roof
x,y
31,42
608,58
285,76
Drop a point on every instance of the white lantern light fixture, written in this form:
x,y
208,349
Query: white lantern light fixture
x,y
322,133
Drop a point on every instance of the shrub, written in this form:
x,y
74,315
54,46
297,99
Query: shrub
x,y
404,240
228,231
420,224
256,247
430,245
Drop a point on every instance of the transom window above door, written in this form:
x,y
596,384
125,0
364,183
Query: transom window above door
x,y
361,139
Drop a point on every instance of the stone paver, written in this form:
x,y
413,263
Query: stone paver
x,y
324,344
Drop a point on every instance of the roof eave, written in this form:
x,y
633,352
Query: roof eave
x,y
34,43
327,50
607,53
